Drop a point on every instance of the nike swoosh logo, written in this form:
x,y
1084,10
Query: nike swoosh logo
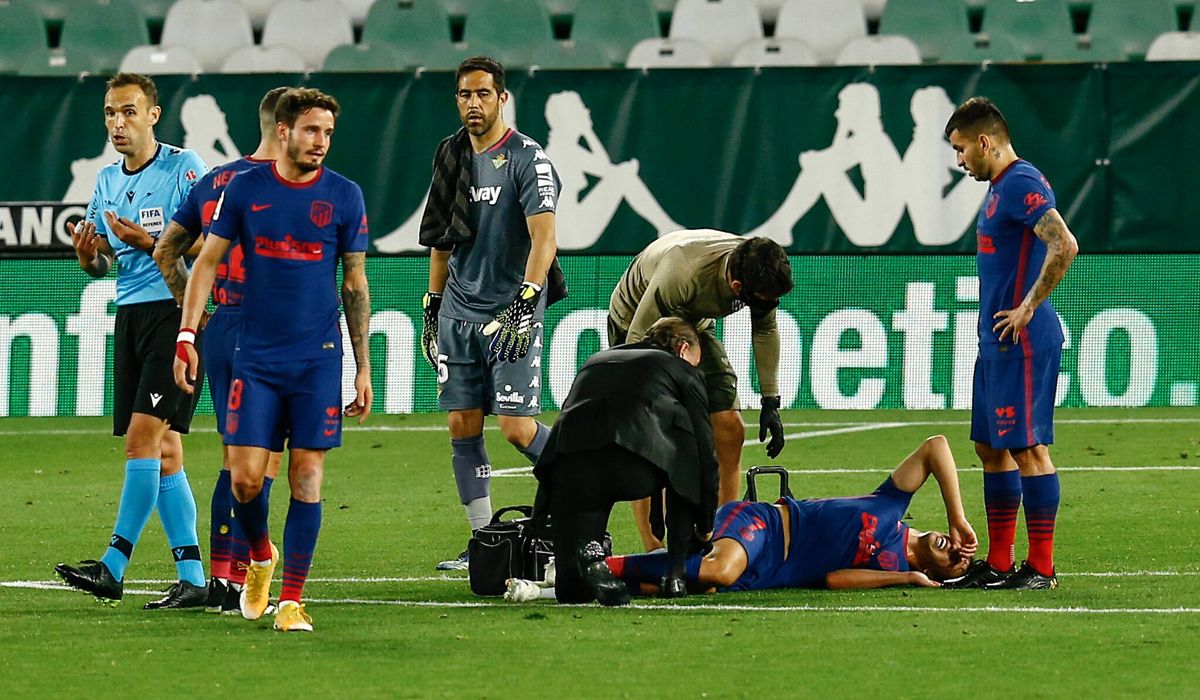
x,y
330,433
1004,432
259,207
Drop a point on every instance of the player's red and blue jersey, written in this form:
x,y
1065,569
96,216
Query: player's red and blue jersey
x,y
827,535
196,214
1010,257
292,235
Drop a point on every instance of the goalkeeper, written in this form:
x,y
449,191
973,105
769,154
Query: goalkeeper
x,y
699,276
490,224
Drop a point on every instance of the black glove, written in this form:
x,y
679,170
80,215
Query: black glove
x,y
431,303
768,421
512,328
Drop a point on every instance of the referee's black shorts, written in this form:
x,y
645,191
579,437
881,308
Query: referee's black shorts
x,y
143,360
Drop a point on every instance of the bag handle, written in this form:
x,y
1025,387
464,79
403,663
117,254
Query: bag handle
x,y
526,511
752,490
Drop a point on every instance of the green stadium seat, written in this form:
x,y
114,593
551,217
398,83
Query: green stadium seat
x,y
53,11
514,32
361,58
57,62
613,27
22,34
998,49
406,22
567,8
1038,27
104,30
934,26
571,55
155,11
1130,25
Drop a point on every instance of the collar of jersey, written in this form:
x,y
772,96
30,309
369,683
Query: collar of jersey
x,y
297,185
145,165
1005,171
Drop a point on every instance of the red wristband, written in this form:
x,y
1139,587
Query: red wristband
x,y
187,336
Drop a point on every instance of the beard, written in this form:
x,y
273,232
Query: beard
x,y
484,125
304,166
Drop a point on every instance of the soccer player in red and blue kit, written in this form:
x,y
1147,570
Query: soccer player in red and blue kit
x,y
1024,250
294,219
228,552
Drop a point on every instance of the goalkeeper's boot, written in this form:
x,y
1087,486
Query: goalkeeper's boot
x,y
93,577
292,618
1027,578
519,590
608,589
460,563
979,575
217,588
256,592
180,595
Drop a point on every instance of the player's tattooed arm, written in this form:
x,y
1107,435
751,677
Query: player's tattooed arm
x,y
356,298
169,254
1061,250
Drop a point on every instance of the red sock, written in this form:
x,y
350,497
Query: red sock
x,y
1002,496
616,565
1042,496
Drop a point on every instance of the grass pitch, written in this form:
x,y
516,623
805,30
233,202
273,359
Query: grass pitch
x,y
1125,621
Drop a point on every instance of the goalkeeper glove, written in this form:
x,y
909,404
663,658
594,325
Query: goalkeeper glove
x,y
769,421
430,305
512,328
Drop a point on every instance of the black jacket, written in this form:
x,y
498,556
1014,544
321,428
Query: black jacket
x,y
649,402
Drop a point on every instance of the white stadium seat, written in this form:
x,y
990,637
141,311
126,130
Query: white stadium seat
x,y
210,29
768,10
311,28
774,52
357,9
668,53
160,60
874,8
1175,46
825,25
258,10
881,50
259,59
720,25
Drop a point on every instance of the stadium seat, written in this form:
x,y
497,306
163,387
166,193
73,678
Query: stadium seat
x,y
104,30
1037,26
720,25
258,11
668,53
359,58
880,50
768,10
757,53
1129,25
566,8
311,28
159,60
357,9
998,49
155,11
825,25
21,34
261,59
57,62
414,27
613,27
571,55
53,11
210,29
933,26
1175,46
874,8
514,32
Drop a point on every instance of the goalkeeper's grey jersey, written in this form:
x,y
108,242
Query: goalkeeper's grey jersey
x,y
509,182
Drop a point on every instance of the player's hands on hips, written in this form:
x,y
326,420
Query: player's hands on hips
x,y
963,539
364,396
513,327
430,305
769,422
920,579
1012,322
187,362
85,239
130,233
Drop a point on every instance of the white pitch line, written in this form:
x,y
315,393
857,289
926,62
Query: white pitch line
x,y
833,431
522,472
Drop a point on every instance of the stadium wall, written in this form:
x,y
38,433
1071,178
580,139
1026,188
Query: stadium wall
x,y
858,332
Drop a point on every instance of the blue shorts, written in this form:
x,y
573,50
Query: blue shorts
x,y
1013,402
758,527
298,400
470,377
220,344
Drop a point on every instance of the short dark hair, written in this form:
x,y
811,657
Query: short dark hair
x,y
296,101
669,332
145,82
976,116
762,266
266,108
485,64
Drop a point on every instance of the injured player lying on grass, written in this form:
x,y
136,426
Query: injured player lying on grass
x,y
835,543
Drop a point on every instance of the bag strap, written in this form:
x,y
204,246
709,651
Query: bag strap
x,y
752,490
526,511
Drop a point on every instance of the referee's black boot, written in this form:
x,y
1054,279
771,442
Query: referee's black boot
x,y
180,595
672,587
93,577
608,589
979,575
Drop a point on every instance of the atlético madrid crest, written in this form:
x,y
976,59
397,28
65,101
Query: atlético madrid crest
x,y
321,213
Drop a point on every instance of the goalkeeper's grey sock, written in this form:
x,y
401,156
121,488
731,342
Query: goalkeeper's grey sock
x,y
534,450
473,475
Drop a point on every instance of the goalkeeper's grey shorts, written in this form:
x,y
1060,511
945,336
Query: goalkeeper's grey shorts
x,y
469,376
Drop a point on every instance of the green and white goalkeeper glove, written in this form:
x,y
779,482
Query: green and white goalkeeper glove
x,y
512,328
430,305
